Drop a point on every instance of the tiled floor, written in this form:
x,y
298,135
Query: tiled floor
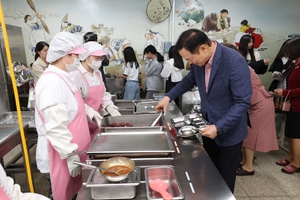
x,y
268,183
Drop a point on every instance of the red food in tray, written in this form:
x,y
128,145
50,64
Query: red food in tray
x,y
122,124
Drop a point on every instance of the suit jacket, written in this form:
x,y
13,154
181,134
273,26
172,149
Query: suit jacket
x,y
227,100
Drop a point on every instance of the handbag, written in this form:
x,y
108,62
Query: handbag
x,y
286,105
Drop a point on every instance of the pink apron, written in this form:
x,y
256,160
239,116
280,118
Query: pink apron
x,y
64,187
3,195
94,100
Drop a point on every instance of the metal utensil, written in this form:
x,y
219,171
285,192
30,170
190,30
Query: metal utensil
x,y
156,119
95,167
76,153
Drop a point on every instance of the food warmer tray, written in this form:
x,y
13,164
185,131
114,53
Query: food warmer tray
x,y
139,123
101,188
145,107
156,143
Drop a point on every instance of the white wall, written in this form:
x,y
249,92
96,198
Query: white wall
x,y
276,18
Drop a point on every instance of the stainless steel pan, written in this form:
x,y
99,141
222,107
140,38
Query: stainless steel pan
x,y
111,162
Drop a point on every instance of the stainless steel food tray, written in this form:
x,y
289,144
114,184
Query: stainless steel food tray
x,y
131,142
145,107
136,120
103,189
166,174
134,129
12,118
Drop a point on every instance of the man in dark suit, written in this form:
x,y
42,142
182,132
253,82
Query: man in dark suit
x,y
223,79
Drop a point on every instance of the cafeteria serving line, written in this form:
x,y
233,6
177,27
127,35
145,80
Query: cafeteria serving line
x,y
196,175
246,187
135,152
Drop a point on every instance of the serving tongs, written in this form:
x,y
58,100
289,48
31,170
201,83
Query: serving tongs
x,y
157,119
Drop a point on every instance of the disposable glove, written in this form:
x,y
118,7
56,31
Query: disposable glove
x,y
74,169
93,116
113,110
98,119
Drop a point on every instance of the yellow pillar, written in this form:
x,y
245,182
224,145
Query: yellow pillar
x,y
24,144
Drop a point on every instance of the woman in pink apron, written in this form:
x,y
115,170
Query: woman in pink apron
x,y
61,118
88,78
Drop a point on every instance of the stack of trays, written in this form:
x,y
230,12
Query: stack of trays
x,y
188,126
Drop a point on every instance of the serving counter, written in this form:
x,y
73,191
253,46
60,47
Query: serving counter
x,y
197,175
10,138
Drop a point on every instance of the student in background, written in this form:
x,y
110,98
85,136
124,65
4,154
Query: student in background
x,y
172,70
280,68
291,164
261,132
131,69
153,67
253,58
40,64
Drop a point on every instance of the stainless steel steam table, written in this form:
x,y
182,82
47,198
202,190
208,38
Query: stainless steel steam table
x,y
196,173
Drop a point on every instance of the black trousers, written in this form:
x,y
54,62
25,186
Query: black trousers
x,y
226,159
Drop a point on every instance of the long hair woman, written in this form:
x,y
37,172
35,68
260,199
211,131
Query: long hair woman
x,y
246,48
172,70
131,73
40,64
153,67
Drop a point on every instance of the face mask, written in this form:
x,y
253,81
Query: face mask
x,y
74,66
95,64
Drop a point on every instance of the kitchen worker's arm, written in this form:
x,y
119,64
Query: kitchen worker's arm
x,y
13,191
57,132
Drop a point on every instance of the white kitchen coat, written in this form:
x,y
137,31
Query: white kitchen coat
x,y
51,90
92,80
13,191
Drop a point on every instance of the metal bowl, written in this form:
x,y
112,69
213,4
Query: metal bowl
x,y
117,161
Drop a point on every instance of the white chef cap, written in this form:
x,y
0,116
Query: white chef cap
x,y
63,43
92,49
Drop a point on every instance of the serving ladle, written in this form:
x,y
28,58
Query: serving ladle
x,y
117,172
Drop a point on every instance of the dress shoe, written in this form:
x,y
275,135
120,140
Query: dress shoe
x,y
242,172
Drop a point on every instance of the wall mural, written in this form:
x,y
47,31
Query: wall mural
x,y
118,26
37,26
191,14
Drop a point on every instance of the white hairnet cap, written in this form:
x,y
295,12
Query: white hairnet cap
x,y
63,43
92,49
